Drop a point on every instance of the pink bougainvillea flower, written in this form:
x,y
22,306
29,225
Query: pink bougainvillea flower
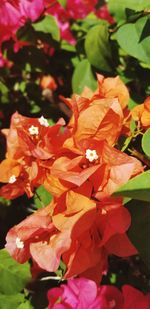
x,y
78,293
84,293
79,9
62,17
4,61
134,298
141,114
14,14
31,9
103,13
128,298
10,19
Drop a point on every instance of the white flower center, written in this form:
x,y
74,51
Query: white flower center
x,y
19,243
33,130
112,304
43,121
12,179
91,155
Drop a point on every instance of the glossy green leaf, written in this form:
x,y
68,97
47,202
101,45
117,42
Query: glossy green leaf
x,y
48,25
132,38
137,188
42,197
14,276
146,142
97,47
83,76
12,301
118,7
139,231
25,305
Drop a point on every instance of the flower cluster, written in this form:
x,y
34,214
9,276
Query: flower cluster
x,y
76,9
83,293
15,13
80,166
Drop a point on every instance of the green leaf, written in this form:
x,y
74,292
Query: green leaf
x,y
132,39
137,188
97,47
139,231
42,197
11,301
3,88
83,76
146,142
48,25
118,7
26,305
66,46
63,2
14,276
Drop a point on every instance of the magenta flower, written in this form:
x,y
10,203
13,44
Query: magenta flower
x,y
31,9
80,8
83,293
78,293
14,13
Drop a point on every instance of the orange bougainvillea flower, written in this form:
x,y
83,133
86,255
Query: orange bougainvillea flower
x,y
30,142
34,228
94,235
33,137
48,82
21,176
100,114
80,231
98,165
113,87
141,114
95,118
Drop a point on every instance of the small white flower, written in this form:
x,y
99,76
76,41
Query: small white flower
x,y
19,243
91,155
12,179
33,130
43,121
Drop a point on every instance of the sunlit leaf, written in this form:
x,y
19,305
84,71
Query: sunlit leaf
x,y
137,46
137,188
48,25
97,47
83,76
146,142
42,197
14,276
